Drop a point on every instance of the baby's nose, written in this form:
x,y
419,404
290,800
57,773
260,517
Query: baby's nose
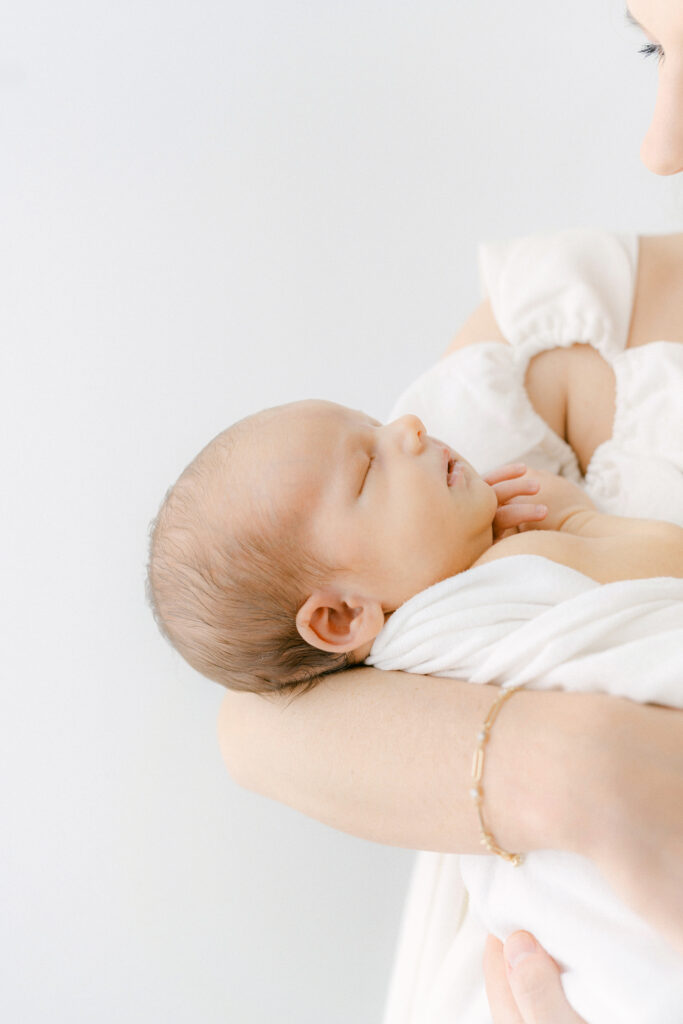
x,y
411,433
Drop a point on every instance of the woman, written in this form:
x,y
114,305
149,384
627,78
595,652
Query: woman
x,y
523,982
524,985
387,756
662,23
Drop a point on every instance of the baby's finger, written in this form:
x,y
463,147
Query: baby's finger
x,y
501,1000
510,471
508,489
517,513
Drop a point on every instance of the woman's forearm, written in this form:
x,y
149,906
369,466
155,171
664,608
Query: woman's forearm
x,y
387,756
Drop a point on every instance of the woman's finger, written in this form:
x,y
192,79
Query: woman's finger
x,y
534,980
501,1000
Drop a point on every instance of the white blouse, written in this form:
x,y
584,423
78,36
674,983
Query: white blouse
x,y
547,292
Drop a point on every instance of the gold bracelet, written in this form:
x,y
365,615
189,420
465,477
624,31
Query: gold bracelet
x,y
477,790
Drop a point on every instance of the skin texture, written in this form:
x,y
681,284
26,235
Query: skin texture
x,y
662,23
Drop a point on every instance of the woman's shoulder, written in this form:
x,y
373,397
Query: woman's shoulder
x,y
656,312
565,381
553,290
480,326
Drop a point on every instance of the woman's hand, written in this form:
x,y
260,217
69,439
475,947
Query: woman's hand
x,y
511,484
523,983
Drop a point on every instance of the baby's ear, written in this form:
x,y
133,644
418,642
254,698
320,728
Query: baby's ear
x,y
337,622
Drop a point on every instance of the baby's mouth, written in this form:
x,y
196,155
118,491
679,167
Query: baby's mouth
x,y
453,471
453,467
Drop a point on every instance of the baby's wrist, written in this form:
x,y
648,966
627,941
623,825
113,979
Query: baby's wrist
x,y
576,518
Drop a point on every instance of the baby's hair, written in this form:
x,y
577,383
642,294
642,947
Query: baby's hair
x,y
225,589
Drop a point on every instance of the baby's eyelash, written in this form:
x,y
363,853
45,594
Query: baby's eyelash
x,y
365,475
651,50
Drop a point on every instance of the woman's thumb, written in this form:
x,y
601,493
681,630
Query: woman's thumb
x,y
534,979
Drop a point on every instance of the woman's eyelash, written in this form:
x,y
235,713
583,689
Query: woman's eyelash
x,y
651,50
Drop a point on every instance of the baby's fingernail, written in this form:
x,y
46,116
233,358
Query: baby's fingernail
x,y
518,947
541,510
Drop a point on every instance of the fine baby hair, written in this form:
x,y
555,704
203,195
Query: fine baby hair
x,y
228,571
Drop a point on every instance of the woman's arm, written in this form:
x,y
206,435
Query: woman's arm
x,y
386,756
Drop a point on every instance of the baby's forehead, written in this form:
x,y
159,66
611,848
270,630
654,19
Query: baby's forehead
x,y
279,456
256,456
272,465
299,424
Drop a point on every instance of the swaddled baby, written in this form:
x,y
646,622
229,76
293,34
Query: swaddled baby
x,y
291,538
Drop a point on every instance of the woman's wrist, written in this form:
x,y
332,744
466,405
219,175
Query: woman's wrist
x,y
550,768
598,776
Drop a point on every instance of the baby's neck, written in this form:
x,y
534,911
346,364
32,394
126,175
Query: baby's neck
x,y
359,655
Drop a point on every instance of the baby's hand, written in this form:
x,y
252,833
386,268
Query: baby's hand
x,y
511,483
560,497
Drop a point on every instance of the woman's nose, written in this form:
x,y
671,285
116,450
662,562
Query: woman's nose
x,y
410,432
662,148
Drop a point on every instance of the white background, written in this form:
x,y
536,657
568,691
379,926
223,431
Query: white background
x,y
206,208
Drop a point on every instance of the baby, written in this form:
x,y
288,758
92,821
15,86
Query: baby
x,y
284,546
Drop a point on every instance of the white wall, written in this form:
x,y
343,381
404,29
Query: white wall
x,y
208,207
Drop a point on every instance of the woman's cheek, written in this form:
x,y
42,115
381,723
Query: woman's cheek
x,y
662,148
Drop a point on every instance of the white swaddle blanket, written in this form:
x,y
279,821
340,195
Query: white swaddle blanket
x,y
525,619
546,292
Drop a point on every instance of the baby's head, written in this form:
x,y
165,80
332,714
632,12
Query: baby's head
x,y
285,544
